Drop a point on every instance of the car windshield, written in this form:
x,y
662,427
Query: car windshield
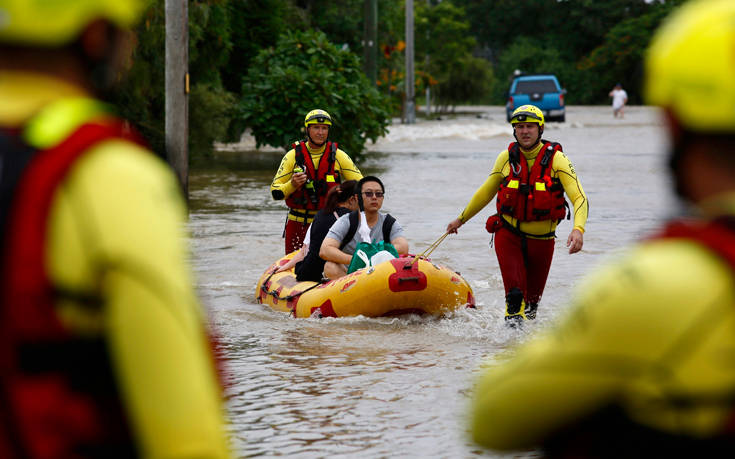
x,y
535,86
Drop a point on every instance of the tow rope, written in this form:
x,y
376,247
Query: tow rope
x,y
427,252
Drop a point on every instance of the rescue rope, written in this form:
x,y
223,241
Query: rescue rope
x,y
427,252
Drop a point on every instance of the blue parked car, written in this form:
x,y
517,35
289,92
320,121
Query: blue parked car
x,y
543,91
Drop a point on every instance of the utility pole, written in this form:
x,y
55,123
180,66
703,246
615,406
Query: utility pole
x,y
177,90
410,106
428,86
370,41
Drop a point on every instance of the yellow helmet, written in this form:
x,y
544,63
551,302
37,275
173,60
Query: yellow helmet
x,y
527,114
54,23
317,117
690,66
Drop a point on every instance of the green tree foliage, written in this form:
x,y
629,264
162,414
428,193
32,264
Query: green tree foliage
x,y
619,58
141,97
574,27
254,25
444,48
211,106
467,81
588,44
214,109
305,71
341,21
530,56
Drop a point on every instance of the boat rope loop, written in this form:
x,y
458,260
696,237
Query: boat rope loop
x,y
274,293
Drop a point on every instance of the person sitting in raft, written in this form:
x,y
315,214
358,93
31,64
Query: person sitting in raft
x,y
308,265
349,230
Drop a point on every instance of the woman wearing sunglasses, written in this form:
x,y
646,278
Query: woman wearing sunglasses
x,y
343,237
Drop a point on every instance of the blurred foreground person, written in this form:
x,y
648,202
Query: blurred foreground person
x,y
103,352
642,366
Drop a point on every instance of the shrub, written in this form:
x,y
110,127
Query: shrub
x,y
303,72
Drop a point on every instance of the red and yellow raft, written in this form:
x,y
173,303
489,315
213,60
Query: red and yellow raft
x,y
394,287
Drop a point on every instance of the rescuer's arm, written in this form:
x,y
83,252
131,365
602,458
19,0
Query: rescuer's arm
x,y
401,245
347,168
483,195
573,188
580,205
125,205
330,252
286,182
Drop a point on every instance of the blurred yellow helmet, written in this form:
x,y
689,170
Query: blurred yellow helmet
x,y
49,23
317,117
527,114
690,66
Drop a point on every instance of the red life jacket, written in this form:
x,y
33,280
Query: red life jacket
x,y
532,195
323,179
58,395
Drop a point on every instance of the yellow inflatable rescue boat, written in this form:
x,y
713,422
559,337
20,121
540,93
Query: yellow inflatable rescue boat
x,y
394,287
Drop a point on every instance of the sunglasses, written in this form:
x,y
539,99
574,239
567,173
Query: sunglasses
x,y
369,194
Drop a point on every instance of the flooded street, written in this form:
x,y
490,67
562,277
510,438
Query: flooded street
x,y
400,387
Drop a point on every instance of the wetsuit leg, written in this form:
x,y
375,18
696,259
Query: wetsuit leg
x,y
508,249
295,233
540,254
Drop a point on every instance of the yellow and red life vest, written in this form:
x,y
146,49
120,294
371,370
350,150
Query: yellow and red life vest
x,y
324,178
58,393
532,195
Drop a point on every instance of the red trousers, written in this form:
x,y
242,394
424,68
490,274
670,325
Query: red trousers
x,y
523,268
294,233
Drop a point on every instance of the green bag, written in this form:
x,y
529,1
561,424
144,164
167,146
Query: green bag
x,y
365,251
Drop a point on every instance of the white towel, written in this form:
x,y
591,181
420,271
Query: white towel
x,y
363,230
